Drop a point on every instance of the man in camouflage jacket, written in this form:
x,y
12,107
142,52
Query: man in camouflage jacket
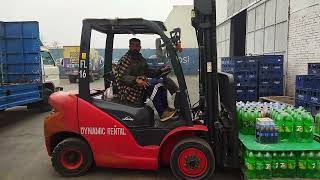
x,y
132,73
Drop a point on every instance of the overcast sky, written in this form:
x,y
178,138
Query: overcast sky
x,y
61,20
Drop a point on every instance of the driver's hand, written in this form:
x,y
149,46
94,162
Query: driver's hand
x,y
142,81
165,70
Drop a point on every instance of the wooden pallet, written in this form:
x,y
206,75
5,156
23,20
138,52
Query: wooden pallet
x,y
287,100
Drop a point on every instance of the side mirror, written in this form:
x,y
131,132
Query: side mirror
x,y
175,36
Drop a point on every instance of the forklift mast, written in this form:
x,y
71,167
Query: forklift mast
x,y
218,108
204,21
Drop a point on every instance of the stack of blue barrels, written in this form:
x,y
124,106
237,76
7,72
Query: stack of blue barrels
x,y
255,76
308,89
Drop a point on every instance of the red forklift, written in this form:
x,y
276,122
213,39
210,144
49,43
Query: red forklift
x,y
84,130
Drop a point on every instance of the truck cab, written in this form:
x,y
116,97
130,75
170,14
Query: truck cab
x,y
50,70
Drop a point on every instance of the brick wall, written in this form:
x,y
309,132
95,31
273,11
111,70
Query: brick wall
x,y
304,39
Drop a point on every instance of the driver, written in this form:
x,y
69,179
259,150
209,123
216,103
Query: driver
x,y
132,81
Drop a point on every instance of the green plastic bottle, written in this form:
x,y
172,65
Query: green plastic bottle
x,y
267,166
298,128
317,174
311,165
259,166
250,165
238,110
317,124
245,121
271,115
254,116
283,163
288,127
307,128
302,165
275,165
280,125
291,165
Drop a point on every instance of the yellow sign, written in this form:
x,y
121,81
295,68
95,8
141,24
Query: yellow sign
x,y
84,56
72,52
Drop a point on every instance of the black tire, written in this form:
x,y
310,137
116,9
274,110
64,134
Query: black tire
x,y
201,159
79,148
44,105
72,79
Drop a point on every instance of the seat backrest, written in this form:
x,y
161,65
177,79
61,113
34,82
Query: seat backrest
x,y
129,114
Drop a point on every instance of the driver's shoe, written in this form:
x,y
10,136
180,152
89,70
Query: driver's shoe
x,y
167,114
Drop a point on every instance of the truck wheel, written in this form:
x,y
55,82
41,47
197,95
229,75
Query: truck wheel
x,y
72,157
44,105
192,158
72,79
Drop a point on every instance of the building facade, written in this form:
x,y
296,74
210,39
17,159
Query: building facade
x,y
287,27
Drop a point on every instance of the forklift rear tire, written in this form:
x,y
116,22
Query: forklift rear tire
x,y
192,158
72,157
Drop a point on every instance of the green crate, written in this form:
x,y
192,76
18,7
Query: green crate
x,y
249,141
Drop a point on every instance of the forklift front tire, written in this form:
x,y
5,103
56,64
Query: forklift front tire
x,y
72,157
192,159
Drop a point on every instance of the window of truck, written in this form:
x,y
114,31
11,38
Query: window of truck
x,y
47,59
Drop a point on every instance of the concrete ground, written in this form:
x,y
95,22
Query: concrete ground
x,y
23,154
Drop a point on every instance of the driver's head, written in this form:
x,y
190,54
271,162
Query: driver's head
x,y
134,45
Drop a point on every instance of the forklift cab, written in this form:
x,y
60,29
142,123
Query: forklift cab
x,y
130,115
84,129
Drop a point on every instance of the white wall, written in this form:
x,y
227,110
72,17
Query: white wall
x,y
304,38
223,41
221,6
180,16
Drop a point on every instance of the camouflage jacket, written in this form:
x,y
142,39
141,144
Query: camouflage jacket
x,y
128,69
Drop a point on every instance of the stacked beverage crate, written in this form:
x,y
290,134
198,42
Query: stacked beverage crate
x,y
270,75
308,89
313,68
255,76
245,72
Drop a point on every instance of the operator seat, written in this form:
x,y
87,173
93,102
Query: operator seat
x,y
129,114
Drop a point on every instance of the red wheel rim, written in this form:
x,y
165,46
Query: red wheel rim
x,y
192,162
71,158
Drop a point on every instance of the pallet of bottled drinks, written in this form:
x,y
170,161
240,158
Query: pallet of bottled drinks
x,y
277,141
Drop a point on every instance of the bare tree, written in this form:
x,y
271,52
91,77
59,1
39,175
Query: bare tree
x,y
55,45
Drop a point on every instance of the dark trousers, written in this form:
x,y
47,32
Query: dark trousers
x,y
158,94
